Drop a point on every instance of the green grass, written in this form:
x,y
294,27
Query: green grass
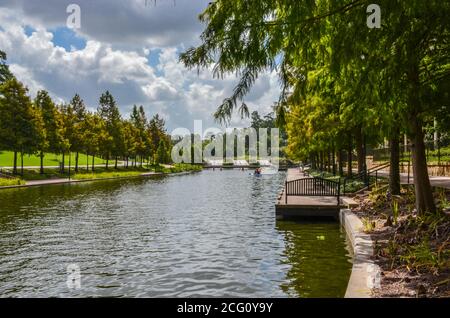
x,y
432,156
108,174
99,173
7,158
49,173
177,168
11,182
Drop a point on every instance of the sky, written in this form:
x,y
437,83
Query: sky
x,y
130,48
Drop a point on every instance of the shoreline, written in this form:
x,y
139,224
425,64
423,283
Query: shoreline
x,y
48,182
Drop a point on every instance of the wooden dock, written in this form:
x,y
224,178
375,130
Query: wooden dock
x,y
301,206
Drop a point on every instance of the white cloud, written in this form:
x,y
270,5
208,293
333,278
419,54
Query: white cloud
x,y
119,22
168,88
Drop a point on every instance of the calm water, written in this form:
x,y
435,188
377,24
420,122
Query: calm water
x,y
205,234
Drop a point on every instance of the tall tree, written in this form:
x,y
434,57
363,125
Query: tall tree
x,y
77,139
157,132
96,135
142,139
20,126
52,126
294,37
5,73
109,112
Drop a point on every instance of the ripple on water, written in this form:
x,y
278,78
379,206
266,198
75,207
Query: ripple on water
x,y
202,235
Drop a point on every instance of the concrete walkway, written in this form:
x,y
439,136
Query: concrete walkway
x,y
436,181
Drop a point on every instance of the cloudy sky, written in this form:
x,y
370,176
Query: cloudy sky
x,y
128,47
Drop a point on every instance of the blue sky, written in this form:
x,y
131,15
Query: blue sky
x,y
125,47
68,39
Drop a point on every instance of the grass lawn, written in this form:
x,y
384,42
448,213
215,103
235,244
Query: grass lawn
x,y
102,173
11,182
99,173
176,168
7,157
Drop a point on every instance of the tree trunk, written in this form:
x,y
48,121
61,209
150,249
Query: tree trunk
x,y
422,186
93,162
42,162
15,163
21,164
127,162
63,163
328,156
76,162
349,153
87,162
330,162
107,162
115,163
360,149
341,162
394,169
333,162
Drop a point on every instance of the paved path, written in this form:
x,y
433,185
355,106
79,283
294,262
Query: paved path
x,y
436,181
48,181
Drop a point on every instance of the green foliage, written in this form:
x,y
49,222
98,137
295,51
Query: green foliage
x,y
50,159
107,174
368,225
395,211
162,156
420,243
157,133
338,76
5,73
109,112
21,124
11,182
177,168
422,255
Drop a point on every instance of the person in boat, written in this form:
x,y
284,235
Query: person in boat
x,y
258,171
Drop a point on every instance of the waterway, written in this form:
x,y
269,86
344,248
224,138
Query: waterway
x,y
207,234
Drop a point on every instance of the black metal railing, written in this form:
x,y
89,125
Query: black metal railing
x,y
317,187
367,178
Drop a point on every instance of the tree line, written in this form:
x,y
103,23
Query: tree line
x,y
39,126
345,86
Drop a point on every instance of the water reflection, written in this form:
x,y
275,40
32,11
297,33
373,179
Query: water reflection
x,y
327,265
